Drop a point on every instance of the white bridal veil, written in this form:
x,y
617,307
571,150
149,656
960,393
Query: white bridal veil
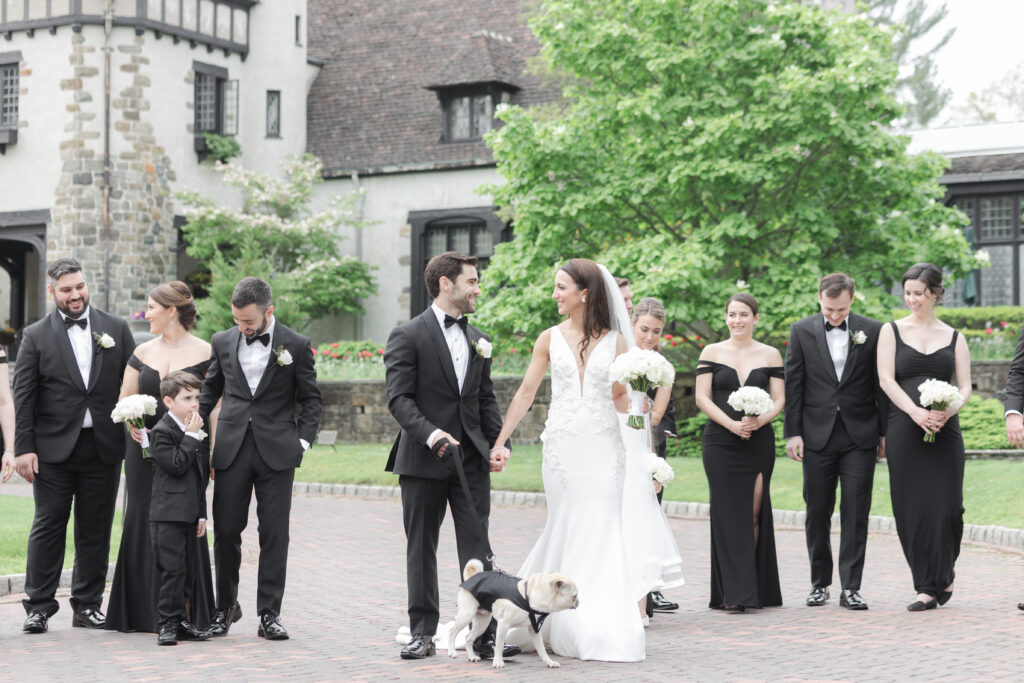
x,y
619,317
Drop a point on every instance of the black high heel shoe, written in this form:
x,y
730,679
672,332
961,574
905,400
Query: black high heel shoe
x,y
943,597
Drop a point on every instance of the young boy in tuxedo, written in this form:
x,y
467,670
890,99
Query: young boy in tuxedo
x,y
178,502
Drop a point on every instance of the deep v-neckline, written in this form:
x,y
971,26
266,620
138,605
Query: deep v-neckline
x,y
581,377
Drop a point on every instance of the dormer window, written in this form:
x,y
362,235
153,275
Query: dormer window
x,y
468,115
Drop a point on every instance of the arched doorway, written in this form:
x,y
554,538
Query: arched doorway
x,y
22,273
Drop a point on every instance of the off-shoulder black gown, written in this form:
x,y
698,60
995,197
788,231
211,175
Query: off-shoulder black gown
x,y
742,573
926,480
136,585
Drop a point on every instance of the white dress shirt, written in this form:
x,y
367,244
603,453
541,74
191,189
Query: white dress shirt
x,y
194,435
81,343
838,346
458,347
254,357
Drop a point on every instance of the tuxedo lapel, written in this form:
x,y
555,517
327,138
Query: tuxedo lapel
x,y
472,336
852,353
441,346
97,351
233,339
818,330
271,365
67,354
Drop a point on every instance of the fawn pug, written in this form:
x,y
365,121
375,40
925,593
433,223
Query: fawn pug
x,y
514,602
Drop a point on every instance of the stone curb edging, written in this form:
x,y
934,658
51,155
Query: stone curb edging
x,y
992,535
15,583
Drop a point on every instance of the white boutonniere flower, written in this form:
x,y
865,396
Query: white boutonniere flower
x,y
858,337
283,357
104,341
483,347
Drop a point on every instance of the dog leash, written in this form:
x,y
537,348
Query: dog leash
x,y
455,452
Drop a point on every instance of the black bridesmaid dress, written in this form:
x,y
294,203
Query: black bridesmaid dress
x,y
926,480
741,573
136,584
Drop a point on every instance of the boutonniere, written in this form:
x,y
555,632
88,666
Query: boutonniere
x,y
858,337
283,357
104,341
482,347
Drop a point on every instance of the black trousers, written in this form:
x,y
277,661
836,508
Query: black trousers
x,y
840,461
232,491
173,550
92,485
424,502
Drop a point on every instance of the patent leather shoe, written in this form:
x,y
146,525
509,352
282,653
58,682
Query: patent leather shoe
x,y
168,635
271,628
419,647
817,597
223,618
851,599
36,622
89,618
189,631
918,606
484,647
663,604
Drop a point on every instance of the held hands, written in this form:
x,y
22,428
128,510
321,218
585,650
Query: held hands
x,y
499,457
795,448
201,529
1014,431
27,465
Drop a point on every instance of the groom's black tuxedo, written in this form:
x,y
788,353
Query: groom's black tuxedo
x,y
1013,399
423,395
840,420
257,446
75,463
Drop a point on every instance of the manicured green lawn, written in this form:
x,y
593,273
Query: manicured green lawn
x,y
992,488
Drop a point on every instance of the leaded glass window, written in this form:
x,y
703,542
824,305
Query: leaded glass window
x,y
9,95
996,218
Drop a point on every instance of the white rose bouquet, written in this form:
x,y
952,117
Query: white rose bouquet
x,y
132,410
660,469
641,369
939,395
751,401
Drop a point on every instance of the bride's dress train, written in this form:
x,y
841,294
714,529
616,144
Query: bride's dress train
x,y
583,469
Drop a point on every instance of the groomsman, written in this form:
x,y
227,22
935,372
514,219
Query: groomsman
x,y
627,294
835,425
259,370
66,384
1013,401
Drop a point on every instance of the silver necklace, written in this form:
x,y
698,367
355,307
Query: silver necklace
x,y
173,346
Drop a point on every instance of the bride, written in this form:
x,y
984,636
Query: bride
x,y
584,466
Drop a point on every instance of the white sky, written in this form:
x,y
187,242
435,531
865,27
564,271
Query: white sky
x,y
988,42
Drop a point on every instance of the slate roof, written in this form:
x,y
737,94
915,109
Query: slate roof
x,y
987,163
369,109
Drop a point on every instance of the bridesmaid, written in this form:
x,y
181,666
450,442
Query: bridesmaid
x,y
739,456
926,479
171,313
6,418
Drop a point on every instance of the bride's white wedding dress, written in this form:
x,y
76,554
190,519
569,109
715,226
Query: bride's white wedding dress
x,y
583,469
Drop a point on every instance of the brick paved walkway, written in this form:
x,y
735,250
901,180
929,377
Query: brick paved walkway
x,y
346,598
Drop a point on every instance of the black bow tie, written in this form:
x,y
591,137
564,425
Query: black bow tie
x,y
829,326
81,322
262,338
449,321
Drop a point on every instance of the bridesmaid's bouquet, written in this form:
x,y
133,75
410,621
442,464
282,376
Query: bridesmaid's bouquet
x,y
132,410
751,401
641,369
660,469
939,395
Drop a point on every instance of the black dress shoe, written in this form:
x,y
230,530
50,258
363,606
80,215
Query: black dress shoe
x,y
918,606
943,597
270,627
663,604
223,618
419,647
36,622
189,631
850,599
484,647
817,597
168,635
1020,605
89,618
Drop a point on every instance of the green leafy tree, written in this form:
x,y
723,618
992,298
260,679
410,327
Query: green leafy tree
x,y
701,143
274,236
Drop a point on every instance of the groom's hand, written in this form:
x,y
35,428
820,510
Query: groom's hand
x,y
795,448
441,441
498,457
1015,429
27,465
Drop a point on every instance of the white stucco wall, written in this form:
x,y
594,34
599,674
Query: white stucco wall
x,y
387,243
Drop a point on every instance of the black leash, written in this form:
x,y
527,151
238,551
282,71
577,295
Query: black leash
x,y
455,453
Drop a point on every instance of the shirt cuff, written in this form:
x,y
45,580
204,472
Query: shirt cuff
x,y
433,437
194,435
202,519
305,445
1011,412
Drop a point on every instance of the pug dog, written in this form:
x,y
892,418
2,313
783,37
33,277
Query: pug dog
x,y
513,602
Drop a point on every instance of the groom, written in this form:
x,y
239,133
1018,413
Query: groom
x,y
440,392
835,425
259,371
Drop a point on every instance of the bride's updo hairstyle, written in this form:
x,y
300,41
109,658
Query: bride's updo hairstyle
x,y
596,317
930,275
176,293
745,299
